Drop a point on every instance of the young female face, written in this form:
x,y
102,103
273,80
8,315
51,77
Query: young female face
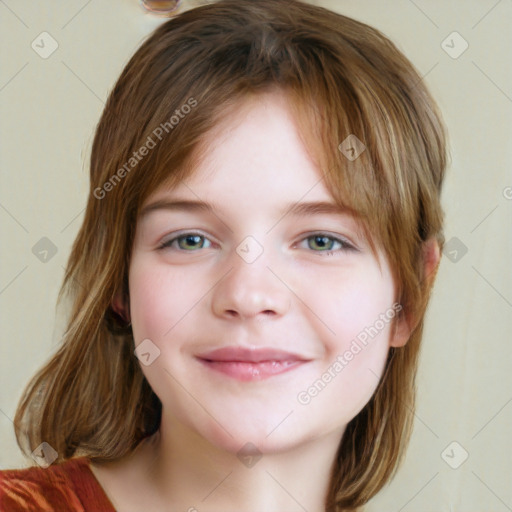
x,y
255,297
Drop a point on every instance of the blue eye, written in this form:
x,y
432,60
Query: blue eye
x,y
187,242
322,242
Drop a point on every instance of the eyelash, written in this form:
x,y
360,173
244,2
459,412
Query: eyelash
x,y
344,244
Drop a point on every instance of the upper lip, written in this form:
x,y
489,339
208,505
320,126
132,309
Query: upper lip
x,y
249,355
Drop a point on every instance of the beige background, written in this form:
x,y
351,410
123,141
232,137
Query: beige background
x,y
49,108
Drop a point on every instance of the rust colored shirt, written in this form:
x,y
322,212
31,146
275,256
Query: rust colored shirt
x,y
70,486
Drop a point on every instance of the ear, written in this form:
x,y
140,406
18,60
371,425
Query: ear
x,y
404,324
121,305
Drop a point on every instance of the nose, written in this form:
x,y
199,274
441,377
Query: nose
x,y
250,291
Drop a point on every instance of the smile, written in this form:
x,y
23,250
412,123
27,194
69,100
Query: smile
x,y
251,364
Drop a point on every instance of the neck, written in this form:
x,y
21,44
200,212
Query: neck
x,y
189,473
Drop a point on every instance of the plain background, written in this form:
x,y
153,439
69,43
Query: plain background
x,y
50,107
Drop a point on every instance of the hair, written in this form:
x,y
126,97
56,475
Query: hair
x,y
341,77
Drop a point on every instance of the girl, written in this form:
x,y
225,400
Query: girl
x,y
249,284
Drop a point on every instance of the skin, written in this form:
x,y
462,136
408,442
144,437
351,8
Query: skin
x,y
302,294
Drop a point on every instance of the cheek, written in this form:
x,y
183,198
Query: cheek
x,y
159,299
356,304
357,313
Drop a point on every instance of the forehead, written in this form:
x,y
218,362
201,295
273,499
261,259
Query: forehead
x,y
255,151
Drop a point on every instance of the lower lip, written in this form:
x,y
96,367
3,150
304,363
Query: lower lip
x,y
247,371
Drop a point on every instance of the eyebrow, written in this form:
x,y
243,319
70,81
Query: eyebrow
x,y
297,209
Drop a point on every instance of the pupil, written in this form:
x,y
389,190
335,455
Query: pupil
x,y
321,241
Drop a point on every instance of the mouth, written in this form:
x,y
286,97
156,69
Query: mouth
x,y
251,364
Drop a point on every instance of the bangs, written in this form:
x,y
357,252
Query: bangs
x,y
339,102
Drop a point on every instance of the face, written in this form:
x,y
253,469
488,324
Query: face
x,y
268,317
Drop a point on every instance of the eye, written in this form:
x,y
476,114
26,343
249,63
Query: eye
x,y
323,242
187,242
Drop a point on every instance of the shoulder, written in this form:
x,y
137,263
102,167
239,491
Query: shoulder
x,y
66,486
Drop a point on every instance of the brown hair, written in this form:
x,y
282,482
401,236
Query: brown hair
x,y
342,77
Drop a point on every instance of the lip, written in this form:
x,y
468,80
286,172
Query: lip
x,y
247,364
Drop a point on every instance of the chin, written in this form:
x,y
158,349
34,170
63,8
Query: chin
x,y
262,437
